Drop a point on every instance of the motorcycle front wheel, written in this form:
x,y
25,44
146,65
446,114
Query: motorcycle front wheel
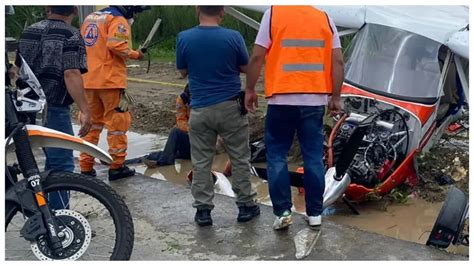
x,y
94,222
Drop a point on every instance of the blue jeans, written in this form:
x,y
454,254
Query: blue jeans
x,y
59,118
177,147
281,123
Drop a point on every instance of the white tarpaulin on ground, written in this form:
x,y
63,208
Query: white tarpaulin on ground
x,y
444,24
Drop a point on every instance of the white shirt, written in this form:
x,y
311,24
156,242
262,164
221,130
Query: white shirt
x,y
263,39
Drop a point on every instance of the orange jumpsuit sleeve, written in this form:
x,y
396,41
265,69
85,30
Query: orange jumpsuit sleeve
x,y
182,115
118,37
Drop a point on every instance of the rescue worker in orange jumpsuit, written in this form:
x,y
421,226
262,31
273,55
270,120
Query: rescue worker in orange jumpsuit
x,y
106,35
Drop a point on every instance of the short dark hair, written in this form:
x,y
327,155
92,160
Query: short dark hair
x,y
62,10
211,10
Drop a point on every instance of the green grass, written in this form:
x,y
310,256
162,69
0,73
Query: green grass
x,y
158,54
178,18
174,20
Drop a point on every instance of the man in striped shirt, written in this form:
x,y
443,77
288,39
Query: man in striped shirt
x,y
55,52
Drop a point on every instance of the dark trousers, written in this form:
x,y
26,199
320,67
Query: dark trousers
x,y
177,147
59,118
282,121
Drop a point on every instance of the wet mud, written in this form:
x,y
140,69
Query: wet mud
x,y
155,108
442,160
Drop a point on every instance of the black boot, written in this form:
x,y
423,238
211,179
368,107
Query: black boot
x,y
246,213
119,173
203,217
91,173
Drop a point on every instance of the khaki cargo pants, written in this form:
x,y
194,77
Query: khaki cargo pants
x,y
223,119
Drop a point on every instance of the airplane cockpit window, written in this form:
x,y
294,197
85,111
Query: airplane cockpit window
x,y
394,62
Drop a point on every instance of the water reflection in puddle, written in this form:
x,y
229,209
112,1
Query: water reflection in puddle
x,y
138,144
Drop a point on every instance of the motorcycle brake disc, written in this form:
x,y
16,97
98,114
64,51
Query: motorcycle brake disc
x,y
76,237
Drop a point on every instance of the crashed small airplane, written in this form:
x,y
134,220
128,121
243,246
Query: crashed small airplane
x,y
406,80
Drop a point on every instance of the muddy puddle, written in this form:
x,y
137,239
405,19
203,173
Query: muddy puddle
x,y
411,221
139,144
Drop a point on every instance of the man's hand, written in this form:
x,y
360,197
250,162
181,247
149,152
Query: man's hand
x,y
75,87
13,73
126,101
335,105
140,54
253,72
337,80
251,100
183,72
86,123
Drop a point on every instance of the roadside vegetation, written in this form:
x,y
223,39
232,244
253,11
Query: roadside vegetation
x,y
174,19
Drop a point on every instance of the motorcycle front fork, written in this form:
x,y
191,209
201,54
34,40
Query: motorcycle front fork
x,y
31,173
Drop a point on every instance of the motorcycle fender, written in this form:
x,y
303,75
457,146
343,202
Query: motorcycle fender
x,y
48,138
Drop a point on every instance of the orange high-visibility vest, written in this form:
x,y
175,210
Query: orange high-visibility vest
x,y
106,35
299,58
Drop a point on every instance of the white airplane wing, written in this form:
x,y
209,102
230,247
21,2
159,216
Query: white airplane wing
x,y
444,24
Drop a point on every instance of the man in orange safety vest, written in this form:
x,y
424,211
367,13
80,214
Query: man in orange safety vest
x,y
304,65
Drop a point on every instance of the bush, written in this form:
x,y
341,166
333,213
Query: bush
x,y
178,18
23,17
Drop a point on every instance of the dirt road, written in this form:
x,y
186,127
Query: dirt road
x,y
155,109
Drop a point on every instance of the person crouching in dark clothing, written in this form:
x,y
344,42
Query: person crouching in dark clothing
x,y
177,146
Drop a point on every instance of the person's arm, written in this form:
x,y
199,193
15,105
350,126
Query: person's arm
x,y
74,65
184,73
75,87
253,73
242,54
262,43
182,115
181,63
337,72
334,104
118,37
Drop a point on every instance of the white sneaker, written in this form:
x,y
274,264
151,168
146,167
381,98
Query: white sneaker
x,y
282,221
314,220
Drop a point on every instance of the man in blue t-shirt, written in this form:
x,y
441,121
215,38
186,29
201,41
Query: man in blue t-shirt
x,y
212,57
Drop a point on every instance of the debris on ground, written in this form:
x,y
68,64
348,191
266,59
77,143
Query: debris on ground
x,y
438,162
444,180
305,240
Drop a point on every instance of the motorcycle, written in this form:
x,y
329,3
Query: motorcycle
x,y
56,215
